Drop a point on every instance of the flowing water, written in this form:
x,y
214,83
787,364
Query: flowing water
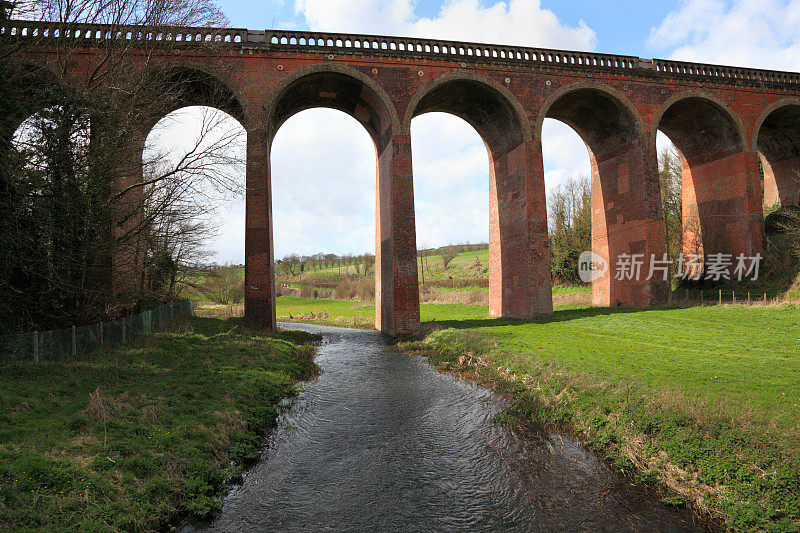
x,y
383,442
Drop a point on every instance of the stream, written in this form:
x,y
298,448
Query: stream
x,y
381,441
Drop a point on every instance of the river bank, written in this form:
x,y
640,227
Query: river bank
x,y
138,437
701,401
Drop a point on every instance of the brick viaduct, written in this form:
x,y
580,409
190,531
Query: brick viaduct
x,y
725,121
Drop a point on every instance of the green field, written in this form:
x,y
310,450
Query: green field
x,y
747,356
134,438
343,313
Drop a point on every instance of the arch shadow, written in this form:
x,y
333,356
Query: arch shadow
x,y
776,137
719,192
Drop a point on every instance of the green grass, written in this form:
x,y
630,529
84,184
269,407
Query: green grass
x,y
343,313
133,438
750,355
710,391
569,289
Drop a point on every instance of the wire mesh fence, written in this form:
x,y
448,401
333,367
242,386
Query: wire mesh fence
x,y
70,343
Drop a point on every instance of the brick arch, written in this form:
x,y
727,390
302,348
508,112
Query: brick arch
x,y
720,181
519,283
348,90
603,88
774,106
381,124
776,139
732,115
501,93
205,86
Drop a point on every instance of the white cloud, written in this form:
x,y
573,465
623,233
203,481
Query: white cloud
x,y
564,152
356,16
323,185
518,22
451,181
752,33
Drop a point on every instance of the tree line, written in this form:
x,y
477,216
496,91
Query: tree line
x,y
295,265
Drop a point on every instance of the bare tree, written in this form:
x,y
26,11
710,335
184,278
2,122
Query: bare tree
x,y
447,256
223,285
669,174
369,262
570,220
79,201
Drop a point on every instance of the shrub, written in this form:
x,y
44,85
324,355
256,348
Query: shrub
x,y
447,257
458,283
362,289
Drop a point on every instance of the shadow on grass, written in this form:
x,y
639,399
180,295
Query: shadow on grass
x,y
561,315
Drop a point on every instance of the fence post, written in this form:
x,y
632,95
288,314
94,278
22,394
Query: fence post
x,y
102,335
35,346
123,331
74,343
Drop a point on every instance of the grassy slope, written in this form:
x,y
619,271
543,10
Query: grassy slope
x,y
466,265
459,267
131,438
704,399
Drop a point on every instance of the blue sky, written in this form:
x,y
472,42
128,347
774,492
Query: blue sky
x,y
323,162
622,27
